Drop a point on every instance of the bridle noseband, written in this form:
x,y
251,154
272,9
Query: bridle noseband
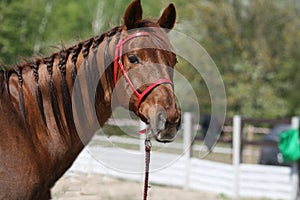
x,y
119,64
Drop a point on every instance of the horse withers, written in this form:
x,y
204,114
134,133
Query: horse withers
x,y
45,105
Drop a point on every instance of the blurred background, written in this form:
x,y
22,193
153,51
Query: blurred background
x,y
255,44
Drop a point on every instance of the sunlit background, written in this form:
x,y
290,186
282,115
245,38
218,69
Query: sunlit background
x,y
255,44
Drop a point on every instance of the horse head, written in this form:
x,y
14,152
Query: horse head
x,y
144,61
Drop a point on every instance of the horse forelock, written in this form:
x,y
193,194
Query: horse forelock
x,y
159,36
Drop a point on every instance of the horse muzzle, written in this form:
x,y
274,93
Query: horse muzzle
x,y
163,129
164,121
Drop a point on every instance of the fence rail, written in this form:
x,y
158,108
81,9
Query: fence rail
x,y
235,180
254,180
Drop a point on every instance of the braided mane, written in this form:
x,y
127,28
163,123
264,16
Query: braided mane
x,y
63,56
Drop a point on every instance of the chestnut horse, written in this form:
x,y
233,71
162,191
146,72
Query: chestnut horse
x,y
41,134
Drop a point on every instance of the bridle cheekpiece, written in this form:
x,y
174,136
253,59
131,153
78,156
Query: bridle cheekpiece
x,y
119,64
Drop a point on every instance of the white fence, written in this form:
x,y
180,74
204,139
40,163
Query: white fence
x,y
236,180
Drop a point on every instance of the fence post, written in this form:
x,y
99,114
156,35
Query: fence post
x,y
295,167
237,126
250,137
187,131
295,123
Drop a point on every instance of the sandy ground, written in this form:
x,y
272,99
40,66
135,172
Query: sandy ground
x,y
97,187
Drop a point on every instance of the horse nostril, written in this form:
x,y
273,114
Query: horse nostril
x,y
161,120
178,126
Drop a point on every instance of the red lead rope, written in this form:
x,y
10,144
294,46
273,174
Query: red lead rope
x,y
148,146
118,64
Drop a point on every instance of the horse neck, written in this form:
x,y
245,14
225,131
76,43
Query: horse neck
x,y
45,106
53,97
93,86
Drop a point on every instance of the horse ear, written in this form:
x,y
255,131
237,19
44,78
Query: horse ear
x,y
133,14
168,18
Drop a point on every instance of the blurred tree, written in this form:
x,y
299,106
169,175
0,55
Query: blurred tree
x,y
18,28
112,11
255,44
32,26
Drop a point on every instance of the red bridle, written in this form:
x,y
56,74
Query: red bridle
x,y
118,63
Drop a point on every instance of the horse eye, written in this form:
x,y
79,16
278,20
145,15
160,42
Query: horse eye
x,y
133,59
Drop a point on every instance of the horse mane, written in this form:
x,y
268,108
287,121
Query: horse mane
x,y
7,70
72,52
75,49
34,63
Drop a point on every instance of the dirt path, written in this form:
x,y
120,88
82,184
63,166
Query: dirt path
x,y
97,187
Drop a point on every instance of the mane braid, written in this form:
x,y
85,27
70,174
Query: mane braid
x,y
108,62
53,97
77,85
85,47
18,71
85,52
87,77
75,52
66,98
39,96
96,73
100,90
109,69
97,41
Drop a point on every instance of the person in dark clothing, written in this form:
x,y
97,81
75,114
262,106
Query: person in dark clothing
x,y
211,129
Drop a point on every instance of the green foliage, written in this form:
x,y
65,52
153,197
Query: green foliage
x,y
32,26
255,44
17,22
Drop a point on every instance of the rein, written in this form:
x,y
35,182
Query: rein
x,y
119,64
148,146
